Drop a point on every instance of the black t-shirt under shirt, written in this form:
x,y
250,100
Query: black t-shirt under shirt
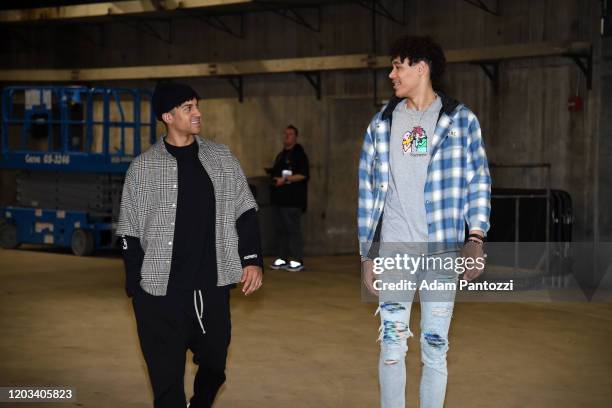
x,y
193,249
291,194
194,259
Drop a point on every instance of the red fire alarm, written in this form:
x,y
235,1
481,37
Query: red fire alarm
x,y
575,104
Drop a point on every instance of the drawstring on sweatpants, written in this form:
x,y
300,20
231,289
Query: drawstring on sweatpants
x,y
199,313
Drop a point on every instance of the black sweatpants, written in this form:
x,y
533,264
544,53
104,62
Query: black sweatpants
x,y
289,233
167,327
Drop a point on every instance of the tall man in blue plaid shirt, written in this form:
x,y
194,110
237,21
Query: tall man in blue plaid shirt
x,y
423,165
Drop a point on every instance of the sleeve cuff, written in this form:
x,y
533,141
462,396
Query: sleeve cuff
x,y
251,260
249,239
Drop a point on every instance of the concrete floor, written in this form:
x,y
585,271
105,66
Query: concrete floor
x,y
304,340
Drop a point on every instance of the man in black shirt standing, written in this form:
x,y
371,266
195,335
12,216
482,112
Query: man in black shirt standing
x,y
180,211
289,196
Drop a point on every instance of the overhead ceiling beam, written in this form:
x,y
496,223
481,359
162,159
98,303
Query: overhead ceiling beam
x,y
189,70
507,52
271,66
92,10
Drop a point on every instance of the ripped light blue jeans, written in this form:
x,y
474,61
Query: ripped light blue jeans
x,y
436,313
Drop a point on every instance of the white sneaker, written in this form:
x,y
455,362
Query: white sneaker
x,y
279,263
294,266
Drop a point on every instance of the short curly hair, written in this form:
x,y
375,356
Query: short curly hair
x,y
420,48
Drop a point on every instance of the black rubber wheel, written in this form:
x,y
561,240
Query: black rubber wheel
x,y
8,236
82,242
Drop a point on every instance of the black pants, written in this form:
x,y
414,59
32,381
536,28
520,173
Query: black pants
x,y
167,327
289,233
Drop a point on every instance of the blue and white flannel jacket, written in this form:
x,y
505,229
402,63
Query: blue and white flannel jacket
x,y
458,185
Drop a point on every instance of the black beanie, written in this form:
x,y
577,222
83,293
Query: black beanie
x,y
169,95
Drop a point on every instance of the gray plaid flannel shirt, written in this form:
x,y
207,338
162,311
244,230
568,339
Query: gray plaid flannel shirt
x,y
148,210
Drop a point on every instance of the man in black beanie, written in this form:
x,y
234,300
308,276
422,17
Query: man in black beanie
x,y
189,232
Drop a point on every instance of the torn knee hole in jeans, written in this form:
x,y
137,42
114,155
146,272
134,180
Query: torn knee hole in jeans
x,y
392,307
434,340
392,332
390,362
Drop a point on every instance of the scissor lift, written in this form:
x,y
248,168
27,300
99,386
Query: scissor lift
x,y
70,148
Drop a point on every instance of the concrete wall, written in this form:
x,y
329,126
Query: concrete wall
x,y
525,121
604,145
